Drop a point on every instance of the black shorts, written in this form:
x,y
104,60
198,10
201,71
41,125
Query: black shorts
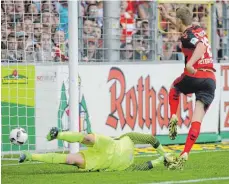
x,y
204,88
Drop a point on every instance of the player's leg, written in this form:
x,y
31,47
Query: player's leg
x,y
140,138
55,158
193,134
145,166
198,115
203,100
174,100
71,137
182,84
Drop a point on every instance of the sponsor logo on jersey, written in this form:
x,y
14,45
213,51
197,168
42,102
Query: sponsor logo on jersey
x,y
194,41
205,61
200,34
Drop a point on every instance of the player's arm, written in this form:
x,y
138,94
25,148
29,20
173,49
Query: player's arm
x,y
166,15
197,54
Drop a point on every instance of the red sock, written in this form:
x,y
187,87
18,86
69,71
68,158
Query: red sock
x,y
174,99
192,136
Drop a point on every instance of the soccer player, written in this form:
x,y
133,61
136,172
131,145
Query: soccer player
x,y
103,153
198,77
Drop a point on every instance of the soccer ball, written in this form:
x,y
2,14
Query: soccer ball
x,y
18,136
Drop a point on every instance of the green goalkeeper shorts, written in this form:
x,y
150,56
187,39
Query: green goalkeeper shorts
x,y
108,154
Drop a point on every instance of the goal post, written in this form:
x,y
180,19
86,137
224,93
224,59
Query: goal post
x,y
73,70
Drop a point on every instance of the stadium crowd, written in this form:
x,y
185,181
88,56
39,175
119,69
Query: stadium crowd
x,y
37,30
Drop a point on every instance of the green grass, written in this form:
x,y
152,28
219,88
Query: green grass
x,y
200,165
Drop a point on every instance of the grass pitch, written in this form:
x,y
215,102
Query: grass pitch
x,y
204,167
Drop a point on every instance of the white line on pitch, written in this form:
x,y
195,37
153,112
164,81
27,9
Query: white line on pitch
x,y
18,164
191,181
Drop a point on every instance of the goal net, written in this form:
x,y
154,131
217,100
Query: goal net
x,y
35,74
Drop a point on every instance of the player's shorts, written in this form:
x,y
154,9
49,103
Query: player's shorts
x,y
204,88
95,156
108,154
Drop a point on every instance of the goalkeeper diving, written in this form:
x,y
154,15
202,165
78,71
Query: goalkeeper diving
x,y
103,153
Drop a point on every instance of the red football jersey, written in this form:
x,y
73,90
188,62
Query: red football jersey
x,y
190,38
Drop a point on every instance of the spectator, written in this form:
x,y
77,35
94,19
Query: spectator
x,y
3,14
138,25
45,53
59,37
47,17
62,15
47,29
90,52
22,39
92,11
60,46
23,29
34,22
145,28
100,13
171,45
139,50
126,52
5,30
37,28
97,32
28,25
30,51
4,55
146,46
123,6
19,27
98,36
127,22
143,10
9,7
47,6
12,48
88,28
57,26
19,10
3,42
32,9
9,11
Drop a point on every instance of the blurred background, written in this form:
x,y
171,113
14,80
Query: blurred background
x,y
36,31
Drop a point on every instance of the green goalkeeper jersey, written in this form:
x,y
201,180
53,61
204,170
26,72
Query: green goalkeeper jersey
x,y
123,155
109,154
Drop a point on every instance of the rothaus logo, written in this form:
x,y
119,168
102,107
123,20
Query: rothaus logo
x,y
142,105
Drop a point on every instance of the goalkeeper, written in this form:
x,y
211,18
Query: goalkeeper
x,y
103,153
